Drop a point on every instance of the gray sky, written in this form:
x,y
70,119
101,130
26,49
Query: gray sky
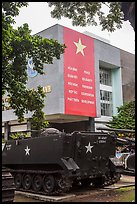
x,y
38,17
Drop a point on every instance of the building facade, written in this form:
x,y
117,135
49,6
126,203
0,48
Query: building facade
x,y
128,75
86,85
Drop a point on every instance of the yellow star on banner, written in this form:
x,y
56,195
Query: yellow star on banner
x,y
80,47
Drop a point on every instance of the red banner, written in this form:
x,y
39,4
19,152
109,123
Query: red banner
x,y
79,74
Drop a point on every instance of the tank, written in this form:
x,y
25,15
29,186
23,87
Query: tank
x,y
51,162
125,149
8,186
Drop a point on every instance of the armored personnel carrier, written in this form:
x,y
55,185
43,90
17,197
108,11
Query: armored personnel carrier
x,y
52,161
8,186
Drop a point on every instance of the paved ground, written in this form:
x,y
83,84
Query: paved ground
x,y
77,194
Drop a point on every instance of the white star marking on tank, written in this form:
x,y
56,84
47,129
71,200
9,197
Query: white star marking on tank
x,y
89,147
27,150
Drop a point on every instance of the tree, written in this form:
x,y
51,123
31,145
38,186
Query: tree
x,y
125,118
17,46
84,13
128,9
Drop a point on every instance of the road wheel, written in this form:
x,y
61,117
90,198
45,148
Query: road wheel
x,y
86,182
37,182
27,180
48,184
63,184
17,180
98,182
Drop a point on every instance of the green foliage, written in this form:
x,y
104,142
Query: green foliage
x,y
123,189
38,120
84,13
17,46
18,135
3,140
127,194
125,118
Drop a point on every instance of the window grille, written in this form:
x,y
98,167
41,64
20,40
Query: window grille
x,y
105,95
105,77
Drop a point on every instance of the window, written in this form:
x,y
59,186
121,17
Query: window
x,y
105,92
106,95
106,103
106,109
105,77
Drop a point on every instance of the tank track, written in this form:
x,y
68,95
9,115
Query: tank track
x,y
112,179
62,183
8,186
98,182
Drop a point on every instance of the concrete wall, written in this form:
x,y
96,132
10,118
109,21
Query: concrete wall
x,y
108,56
128,75
54,75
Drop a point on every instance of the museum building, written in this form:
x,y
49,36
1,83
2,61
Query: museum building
x,y
83,88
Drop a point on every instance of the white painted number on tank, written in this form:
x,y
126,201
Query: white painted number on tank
x,y
27,151
8,146
89,147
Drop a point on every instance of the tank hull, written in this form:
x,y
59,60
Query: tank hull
x,y
52,162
